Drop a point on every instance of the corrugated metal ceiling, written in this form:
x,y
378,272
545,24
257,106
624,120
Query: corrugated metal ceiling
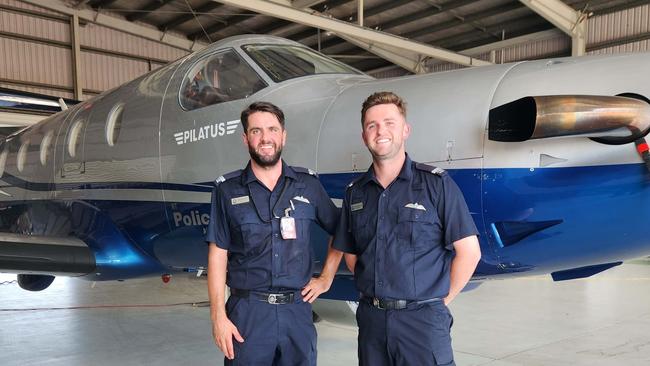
x,y
450,24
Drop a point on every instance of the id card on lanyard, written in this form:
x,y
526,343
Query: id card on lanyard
x,y
288,224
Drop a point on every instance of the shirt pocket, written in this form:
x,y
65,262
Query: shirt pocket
x,y
304,214
417,228
249,232
363,225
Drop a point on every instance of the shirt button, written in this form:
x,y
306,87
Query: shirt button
x,y
275,255
276,235
380,284
383,194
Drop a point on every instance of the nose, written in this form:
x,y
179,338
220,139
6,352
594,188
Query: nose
x,y
380,128
264,136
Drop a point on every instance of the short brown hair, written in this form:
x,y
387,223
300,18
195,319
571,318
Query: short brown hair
x,y
383,97
261,107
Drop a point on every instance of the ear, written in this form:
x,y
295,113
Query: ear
x,y
284,136
244,139
407,130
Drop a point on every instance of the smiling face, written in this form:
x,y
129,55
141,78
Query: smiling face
x,y
265,138
384,131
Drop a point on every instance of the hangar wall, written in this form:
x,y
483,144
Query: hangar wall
x,y
36,53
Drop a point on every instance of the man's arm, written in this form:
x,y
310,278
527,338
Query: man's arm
x,y
350,261
468,253
223,330
323,282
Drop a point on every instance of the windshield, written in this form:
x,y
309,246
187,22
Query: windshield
x,y
283,62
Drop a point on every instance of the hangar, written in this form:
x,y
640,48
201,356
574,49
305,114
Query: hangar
x,y
56,54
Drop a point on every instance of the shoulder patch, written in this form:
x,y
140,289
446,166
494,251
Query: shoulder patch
x,y
298,169
230,175
430,169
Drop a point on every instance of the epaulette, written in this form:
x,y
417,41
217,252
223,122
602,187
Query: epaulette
x,y
225,177
298,169
431,169
354,181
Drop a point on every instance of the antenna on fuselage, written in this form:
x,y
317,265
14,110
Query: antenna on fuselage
x,y
64,107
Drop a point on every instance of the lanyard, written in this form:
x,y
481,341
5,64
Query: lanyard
x,y
273,215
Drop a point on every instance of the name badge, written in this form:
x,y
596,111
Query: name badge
x,y
239,200
356,206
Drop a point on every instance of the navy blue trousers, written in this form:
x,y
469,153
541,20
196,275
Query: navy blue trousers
x,y
275,335
417,335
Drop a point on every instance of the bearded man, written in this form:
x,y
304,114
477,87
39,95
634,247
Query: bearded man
x,y
259,245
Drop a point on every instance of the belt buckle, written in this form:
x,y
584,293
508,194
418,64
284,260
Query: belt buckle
x,y
377,303
273,299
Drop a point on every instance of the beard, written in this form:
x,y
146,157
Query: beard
x,y
265,160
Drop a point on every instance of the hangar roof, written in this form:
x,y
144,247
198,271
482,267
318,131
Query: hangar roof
x,y
450,24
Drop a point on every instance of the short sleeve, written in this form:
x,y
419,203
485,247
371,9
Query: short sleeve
x,y
343,238
458,222
218,227
326,212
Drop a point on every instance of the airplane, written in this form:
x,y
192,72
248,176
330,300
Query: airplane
x,y
550,156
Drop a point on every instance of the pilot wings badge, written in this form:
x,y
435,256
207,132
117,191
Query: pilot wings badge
x,y
415,206
301,199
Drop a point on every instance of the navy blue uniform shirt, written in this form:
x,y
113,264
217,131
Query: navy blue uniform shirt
x,y
245,221
403,235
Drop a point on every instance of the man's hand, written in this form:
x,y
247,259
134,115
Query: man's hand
x,y
223,331
315,287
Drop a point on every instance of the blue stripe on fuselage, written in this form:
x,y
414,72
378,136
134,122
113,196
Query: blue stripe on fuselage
x,y
603,208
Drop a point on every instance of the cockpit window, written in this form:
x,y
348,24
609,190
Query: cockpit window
x,y
283,62
219,78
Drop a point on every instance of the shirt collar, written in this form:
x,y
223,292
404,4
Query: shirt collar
x,y
249,176
406,173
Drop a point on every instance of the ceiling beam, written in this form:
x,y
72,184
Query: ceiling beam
x,y
324,6
352,30
228,22
569,21
173,23
305,3
368,13
119,24
100,3
151,7
407,60
450,5
501,9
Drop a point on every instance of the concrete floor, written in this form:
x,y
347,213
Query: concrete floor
x,y
604,320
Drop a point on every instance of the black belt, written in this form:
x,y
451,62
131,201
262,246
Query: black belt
x,y
385,304
275,298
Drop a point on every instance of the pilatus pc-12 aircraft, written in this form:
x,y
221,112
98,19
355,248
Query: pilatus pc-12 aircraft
x,y
545,152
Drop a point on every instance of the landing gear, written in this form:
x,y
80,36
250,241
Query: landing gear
x,y
31,282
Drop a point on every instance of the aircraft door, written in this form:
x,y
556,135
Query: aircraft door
x,y
200,139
